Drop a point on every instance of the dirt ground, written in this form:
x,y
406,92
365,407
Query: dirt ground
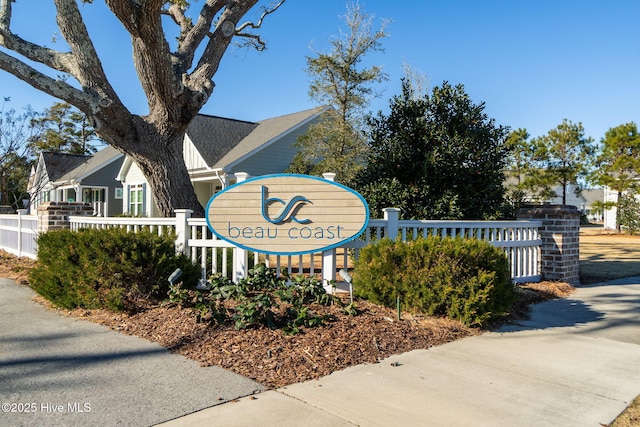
x,y
607,255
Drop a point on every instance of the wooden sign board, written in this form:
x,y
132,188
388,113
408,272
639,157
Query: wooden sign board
x,y
287,214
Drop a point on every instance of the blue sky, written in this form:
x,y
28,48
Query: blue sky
x,y
533,63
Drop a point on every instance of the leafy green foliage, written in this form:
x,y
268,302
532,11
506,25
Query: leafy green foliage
x,y
628,213
261,299
565,155
525,175
464,279
63,129
107,268
435,156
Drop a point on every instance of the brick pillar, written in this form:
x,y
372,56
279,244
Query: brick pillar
x,y
55,215
560,234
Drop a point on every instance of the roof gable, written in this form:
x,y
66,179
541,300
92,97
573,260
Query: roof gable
x,y
213,137
58,164
91,164
267,132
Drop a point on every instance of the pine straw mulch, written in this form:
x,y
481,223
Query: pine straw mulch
x,y
275,359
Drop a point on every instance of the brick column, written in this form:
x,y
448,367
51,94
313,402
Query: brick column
x,y
55,215
560,234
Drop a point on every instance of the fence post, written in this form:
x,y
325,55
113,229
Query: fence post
x,y
560,235
183,233
392,216
329,256
20,213
240,256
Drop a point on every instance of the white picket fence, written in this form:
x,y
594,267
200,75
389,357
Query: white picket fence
x,y
18,234
519,240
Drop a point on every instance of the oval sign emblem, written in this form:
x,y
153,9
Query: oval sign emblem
x,y
287,214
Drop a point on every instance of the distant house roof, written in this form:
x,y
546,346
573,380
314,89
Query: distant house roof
x,y
90,164
593,195
267,132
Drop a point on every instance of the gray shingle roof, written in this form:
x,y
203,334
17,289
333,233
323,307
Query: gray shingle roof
x,y
222,141
91,164
216,136
58,164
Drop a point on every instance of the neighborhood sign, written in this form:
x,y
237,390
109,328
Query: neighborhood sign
x,y
287,214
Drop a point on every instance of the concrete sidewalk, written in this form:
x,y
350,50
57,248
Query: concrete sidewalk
x,y
576,362
59,371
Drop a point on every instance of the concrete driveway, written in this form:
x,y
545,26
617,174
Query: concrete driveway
x,y
59,371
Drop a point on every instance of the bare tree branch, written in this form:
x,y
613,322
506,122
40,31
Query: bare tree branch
x,y
5,15
265,12
57,60
254,39
194,37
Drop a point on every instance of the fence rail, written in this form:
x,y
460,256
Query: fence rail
x,y
519,239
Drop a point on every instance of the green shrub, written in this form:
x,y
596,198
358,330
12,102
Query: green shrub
x,y
107,268
463,279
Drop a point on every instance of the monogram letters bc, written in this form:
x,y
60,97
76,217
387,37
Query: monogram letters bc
x,y
288,211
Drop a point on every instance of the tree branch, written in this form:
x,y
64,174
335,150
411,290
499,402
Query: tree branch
x,y
191,39
59,61
87,69
255,39
151,53
54,87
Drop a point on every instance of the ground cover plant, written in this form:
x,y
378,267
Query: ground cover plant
x,y
263,298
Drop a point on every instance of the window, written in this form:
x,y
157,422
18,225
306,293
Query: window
x,y
136,199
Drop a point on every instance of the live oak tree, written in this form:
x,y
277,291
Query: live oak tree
x,y
338,80
177,81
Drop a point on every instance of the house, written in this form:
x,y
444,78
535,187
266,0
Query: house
x,y
215,148
77,178
594,205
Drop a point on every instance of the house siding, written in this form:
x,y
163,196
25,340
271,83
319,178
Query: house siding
x,y
273,159
134,176
192,157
